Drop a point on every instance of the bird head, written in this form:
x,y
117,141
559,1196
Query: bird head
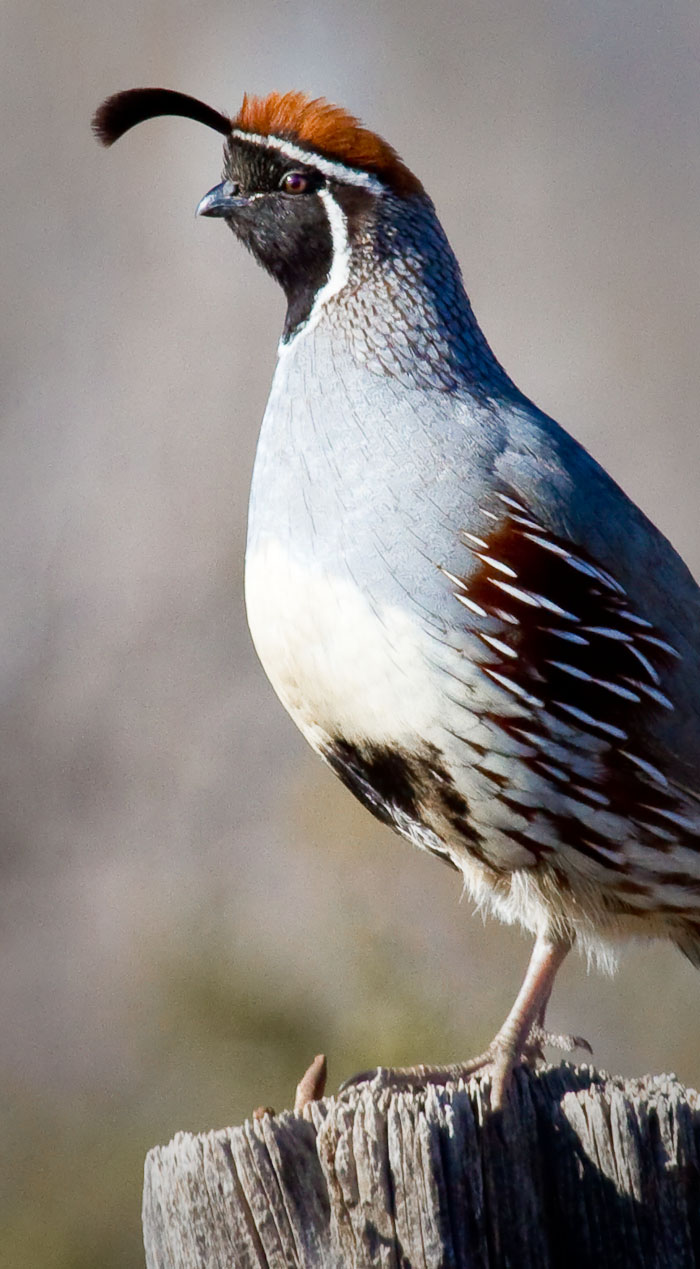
x,y
302,182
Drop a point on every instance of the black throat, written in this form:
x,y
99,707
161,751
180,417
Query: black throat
x,y
305,267
289,234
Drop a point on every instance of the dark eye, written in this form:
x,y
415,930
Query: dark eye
x,y
294,183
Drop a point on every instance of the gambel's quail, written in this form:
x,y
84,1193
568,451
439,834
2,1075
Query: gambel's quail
x,y
464,614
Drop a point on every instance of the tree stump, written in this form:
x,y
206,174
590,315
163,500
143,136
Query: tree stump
x,y
579,1170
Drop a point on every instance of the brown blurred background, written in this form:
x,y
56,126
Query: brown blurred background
x,y
191,906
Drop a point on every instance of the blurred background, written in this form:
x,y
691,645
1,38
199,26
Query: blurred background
x,y
191,905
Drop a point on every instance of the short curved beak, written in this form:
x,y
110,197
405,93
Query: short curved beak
x,y
220,201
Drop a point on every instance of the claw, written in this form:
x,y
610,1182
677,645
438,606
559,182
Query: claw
x,y
362,1077
565,1043
521,1039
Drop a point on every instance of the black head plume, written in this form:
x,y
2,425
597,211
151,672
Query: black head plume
x,y
124,110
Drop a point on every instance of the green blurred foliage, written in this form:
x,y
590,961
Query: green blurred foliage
x,y
225,1038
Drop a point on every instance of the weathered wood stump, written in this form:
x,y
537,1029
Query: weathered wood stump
x,y
580,1169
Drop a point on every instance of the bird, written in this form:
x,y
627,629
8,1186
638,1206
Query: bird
x,y
473,625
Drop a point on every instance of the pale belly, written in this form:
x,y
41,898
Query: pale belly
x,y
342,664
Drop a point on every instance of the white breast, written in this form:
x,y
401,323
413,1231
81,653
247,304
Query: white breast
x,y
341,665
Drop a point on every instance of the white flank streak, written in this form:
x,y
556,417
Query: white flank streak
x,y
573,670
527,524
653,693
674,818
515,591
452,578
339,270
336,171
469,603
499,646
553,771
660,643
624,692
588,721
502,568
618,691
661,833
593,794
473,538
568,635
647,665
613,855
515,688
598,574
637,621
510,502
551,607
646,767
547,545
607,632
529,597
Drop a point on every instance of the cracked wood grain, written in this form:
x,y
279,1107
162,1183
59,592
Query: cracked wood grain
x,y
580,1170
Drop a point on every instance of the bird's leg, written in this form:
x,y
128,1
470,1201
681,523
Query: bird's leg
x,y
539,1036
519,1039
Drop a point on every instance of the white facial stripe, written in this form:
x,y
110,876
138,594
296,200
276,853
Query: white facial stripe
x,y
340,266
336,171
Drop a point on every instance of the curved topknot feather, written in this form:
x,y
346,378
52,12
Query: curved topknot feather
x,y
316,124
124,110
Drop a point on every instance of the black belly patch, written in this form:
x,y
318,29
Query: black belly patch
x,y
398,787
382,778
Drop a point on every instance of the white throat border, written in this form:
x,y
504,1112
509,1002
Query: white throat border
x,y
338,273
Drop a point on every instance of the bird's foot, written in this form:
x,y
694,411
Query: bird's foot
x,y
498,1061
539,1039
416,1077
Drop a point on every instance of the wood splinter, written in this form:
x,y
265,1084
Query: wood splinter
x,y
312,1084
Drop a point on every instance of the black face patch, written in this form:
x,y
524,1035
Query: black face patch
x,y
256,170
288,233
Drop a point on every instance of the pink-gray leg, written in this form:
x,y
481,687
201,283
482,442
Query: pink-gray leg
x,y
519,1039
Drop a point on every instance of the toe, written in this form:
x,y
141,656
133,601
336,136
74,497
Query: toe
x,y
565,1043
362,1077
